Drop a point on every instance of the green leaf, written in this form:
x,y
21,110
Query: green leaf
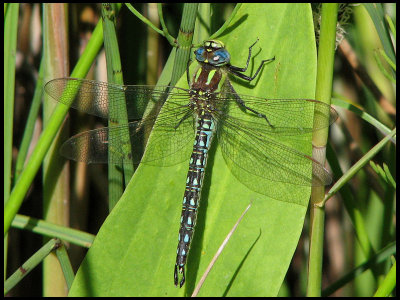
x,y
384,173
135,250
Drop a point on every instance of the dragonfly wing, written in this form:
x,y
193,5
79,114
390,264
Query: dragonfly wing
x,y
168,146
256,156
286,117
100,98
92,147
171,140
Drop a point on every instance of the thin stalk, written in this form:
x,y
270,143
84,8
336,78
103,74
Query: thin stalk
x,y
47,229
185,38
165,32
30,264
326,53
345,103
360,164
56,189
10,46
65,264
114,75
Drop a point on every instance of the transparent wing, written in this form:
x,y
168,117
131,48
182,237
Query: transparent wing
x,y
171,128
168,146
100,98
259,149
285,116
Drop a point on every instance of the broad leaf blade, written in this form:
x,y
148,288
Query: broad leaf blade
x,y
135,250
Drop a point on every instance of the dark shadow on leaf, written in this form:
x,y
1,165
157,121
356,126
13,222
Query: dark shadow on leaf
x,y
232,27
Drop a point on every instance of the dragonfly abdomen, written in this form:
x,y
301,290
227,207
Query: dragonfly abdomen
x,y
191,198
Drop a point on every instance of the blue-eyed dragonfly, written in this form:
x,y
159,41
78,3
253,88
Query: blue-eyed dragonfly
x,y
251,131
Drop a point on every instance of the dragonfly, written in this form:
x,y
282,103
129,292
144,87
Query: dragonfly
x,y
251,131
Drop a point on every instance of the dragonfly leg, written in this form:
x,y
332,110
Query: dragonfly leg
x,y
241,103
245,77
237,71
248,60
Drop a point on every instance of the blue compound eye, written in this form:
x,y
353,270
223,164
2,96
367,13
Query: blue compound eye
x,y
200,54
220,57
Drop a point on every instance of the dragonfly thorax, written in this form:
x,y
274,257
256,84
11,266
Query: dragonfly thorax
x,y
205,85
206,79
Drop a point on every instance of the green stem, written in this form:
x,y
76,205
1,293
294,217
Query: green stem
x,y
10,49
114,75
30,264
165,32
50,230
185,38
10,45
56,189
326,53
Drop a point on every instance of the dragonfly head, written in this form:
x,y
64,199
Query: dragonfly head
x,y
213,52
